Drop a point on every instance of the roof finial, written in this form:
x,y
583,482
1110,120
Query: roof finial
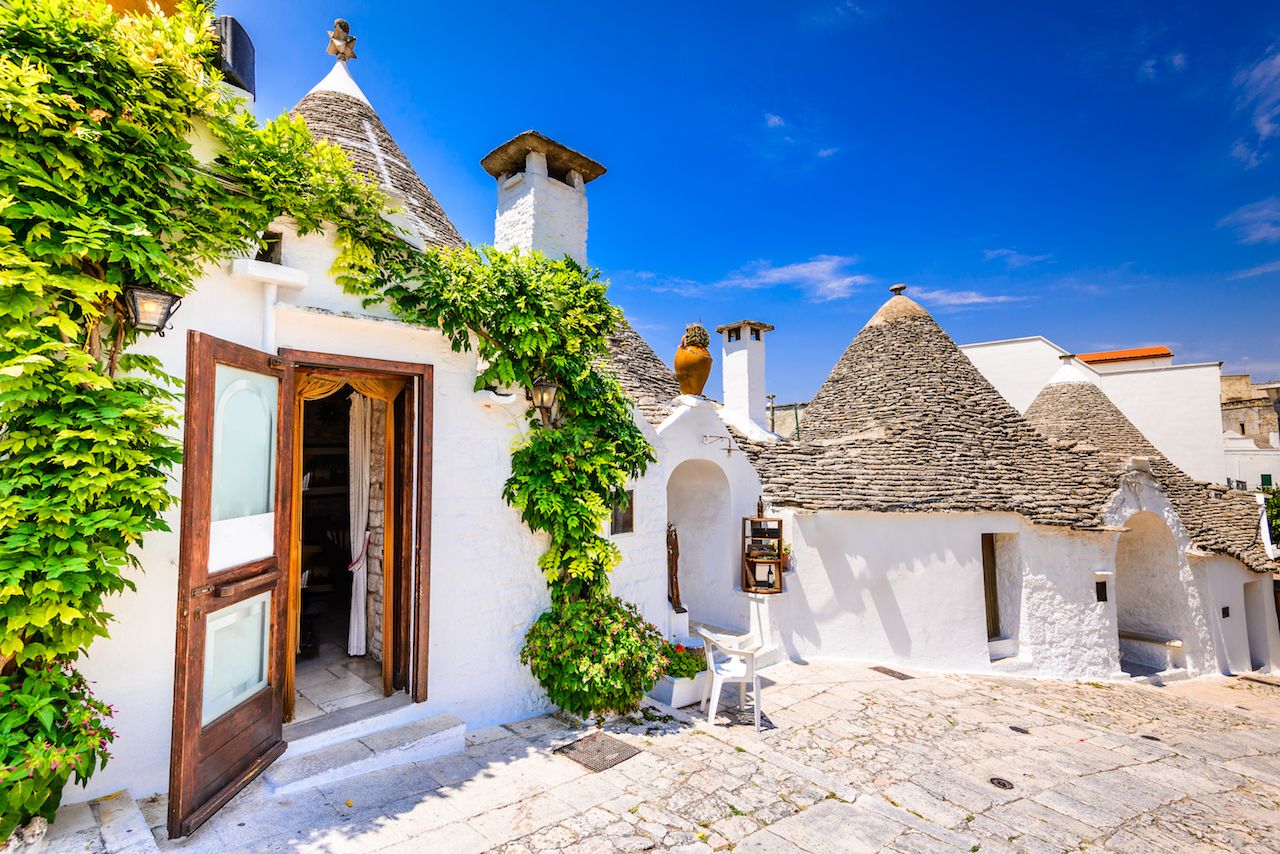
x,y
341,43
897,289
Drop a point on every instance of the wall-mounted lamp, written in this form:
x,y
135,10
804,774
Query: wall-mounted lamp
x,y
149,309
544,395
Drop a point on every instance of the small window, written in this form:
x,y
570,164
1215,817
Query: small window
x,y
735,334
1100,587
1241,428
269,247
623,520
1266,480
755,334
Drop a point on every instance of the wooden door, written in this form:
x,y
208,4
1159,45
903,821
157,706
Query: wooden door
x,y
990,586
228,699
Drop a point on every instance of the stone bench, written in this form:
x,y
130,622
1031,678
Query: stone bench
x,y
1151,650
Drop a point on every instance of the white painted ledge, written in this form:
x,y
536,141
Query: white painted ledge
x,y
269,274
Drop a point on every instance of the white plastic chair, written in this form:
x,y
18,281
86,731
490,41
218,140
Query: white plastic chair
x,y
737,664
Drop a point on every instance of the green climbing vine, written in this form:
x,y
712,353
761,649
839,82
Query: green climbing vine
x,y
100,189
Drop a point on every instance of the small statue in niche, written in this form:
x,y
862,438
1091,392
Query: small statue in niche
x,y
673,569
341,43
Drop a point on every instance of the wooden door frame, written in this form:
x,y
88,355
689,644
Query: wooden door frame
x,y
419,587
204,353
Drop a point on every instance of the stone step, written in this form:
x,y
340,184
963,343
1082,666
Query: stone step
x,y
1144,674
345,724
373,750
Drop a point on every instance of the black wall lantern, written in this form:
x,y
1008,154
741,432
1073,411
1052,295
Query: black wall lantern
x,y
149,309
544,394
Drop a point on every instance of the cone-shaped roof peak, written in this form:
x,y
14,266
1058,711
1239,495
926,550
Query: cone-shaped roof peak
x,y
905,422
339,80
1082,412
337,109
897,307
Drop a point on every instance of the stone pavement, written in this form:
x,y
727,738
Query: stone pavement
x,y
850,760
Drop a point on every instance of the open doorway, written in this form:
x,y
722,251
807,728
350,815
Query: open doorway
x,y
352,563
334,669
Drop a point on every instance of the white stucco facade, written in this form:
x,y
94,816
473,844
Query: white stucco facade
x,y
542,212
486,588
742,369
1175,406
1247,463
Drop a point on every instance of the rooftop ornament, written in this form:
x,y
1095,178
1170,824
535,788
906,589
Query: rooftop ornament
x,y
341,43
897,289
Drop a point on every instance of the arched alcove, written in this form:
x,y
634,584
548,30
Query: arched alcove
x,y
698,505
1151,602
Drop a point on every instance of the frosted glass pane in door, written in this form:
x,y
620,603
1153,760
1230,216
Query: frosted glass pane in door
x,y
244,443
236,655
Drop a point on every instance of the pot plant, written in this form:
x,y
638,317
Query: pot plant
x,y
685,680
693,362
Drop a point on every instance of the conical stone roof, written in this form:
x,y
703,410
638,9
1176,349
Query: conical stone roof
x,y
1227,523
906,423
642,374
337,110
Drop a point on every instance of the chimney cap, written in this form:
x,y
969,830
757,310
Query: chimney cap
x,y
752,324
510,157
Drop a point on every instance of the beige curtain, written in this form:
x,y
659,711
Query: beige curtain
x,y
358,460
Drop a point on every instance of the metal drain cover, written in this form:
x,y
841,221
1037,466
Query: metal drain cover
x,y
889,671
597,751
1001,783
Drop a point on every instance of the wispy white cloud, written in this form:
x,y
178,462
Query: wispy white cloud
x,y
1260,270
1158,67
1013,258
823,277
824,153
1259,95
839,12
773,120
961,299
1257,222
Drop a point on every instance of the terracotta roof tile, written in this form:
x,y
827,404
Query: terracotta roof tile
x,y
1130,355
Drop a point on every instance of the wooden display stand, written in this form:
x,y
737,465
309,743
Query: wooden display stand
x,y
762,555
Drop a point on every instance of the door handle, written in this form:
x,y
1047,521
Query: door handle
x,y
245,585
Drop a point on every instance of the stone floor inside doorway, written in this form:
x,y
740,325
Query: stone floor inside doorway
x,y
334,680
850,760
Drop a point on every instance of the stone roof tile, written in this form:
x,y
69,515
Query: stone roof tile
x,y
644,376
906,423
351,123
1223,522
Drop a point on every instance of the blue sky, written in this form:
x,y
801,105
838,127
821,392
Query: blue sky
x,y
1103,174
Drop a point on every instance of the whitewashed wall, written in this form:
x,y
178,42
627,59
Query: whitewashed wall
x,y
540,212
1175,406
1018,367
486,588
1063,631
889,587
1247,462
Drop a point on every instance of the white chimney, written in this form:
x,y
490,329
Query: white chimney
x,y
742,366
542,199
